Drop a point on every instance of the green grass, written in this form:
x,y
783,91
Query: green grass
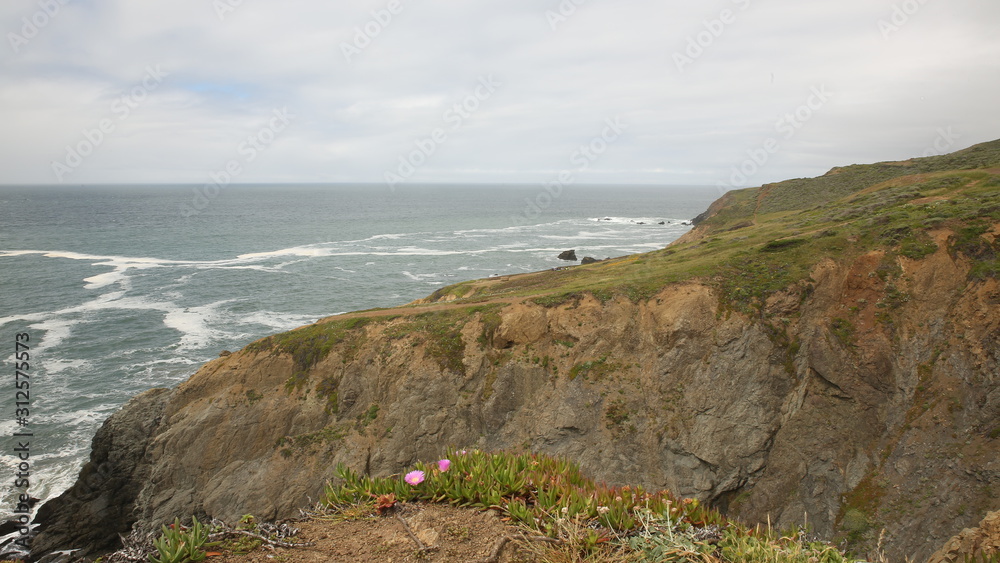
x,y
594,369
329,388
552,497
311,344
856,520
763,240
309,442
491,322
782,244
843,330
368,417
617,414
442,331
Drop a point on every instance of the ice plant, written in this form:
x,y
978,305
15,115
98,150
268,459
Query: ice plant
x,y
384,503
551,496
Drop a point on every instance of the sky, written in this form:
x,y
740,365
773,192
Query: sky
x,y
726,93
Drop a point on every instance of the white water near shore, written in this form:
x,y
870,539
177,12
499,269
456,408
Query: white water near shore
x,y
142,298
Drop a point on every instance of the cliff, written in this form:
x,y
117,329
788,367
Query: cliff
x,y
978,543
822,351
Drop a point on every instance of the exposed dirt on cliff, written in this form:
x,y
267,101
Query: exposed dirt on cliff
x,y
421,532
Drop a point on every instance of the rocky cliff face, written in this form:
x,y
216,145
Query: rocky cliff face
x,y
978,543
861,396
884,425
90,516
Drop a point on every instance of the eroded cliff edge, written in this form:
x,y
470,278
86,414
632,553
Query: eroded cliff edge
x,y
837,365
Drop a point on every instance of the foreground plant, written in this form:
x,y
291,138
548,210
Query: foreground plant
x,y
551,496
179,544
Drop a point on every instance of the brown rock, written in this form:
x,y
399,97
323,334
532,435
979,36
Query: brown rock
x,y
972,543
775,418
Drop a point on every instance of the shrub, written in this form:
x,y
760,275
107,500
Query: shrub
x,y
782,244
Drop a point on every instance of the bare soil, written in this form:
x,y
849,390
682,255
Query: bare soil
x,y
445,534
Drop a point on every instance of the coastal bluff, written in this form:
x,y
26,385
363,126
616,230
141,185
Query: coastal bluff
x,y
829,359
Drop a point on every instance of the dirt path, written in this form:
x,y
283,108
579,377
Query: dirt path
x,y
764,190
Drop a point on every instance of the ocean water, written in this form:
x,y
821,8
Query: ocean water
x,y
122,288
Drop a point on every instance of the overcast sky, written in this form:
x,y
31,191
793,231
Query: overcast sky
x,y
725,92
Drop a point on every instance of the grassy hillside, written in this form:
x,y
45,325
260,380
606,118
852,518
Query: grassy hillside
x,y
750,245
762,239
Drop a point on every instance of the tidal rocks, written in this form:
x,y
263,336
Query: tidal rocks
x,y
99,506
568,255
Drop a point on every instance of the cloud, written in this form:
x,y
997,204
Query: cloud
x,y
227,70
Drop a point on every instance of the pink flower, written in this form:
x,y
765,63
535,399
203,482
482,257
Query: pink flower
x,y
444,464
414,477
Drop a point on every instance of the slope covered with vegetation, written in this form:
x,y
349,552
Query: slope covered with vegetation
x,y
763,239
818,351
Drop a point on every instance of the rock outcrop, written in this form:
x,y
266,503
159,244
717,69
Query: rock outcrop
x,y
858,395
101,504
569,255
672,393
976,544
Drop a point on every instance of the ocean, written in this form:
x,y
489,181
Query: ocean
x,y
125,288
